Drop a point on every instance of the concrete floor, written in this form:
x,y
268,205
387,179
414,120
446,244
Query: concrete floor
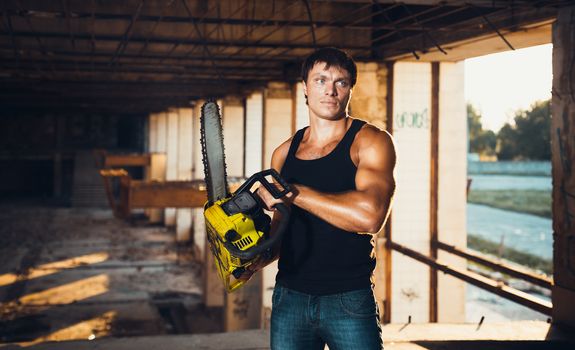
x,y
85,280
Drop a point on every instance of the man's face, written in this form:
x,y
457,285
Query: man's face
x,y
328,91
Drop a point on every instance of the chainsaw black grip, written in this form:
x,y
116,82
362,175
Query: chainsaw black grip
x,y
252,252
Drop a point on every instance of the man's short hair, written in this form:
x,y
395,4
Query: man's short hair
x,y
331,56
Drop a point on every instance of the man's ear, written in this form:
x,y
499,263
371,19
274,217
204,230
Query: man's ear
x,y
304,88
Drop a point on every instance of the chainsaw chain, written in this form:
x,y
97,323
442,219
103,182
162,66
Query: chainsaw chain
x,y
207,177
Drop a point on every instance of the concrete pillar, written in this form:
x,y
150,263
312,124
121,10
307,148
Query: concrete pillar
x,y
171,160
199,232
152,132
185,150
411,207
233,125
452,178
157,169
277,118
368,103
562,158
300,107
368,100
254,133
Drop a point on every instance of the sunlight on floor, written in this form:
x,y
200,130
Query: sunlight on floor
x,y
86,330
50,268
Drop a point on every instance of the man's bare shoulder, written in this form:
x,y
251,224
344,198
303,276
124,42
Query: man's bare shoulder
x,y
280,154
370,136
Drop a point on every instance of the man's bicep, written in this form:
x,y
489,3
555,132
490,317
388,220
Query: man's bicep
x,y
375,171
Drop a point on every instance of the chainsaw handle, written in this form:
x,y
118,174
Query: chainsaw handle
x,y
252,252
261,178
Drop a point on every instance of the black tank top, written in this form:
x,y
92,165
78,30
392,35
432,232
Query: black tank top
x,y
316,257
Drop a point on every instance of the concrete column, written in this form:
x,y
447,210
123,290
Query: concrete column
x,y
162,132
254,133
368,100
368,103
233,125
158,137
277,118
562,158
152,132
171,160
300,107
452,175
411,207
157,169
198,225
185,150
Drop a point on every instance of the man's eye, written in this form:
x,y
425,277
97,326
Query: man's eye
x,y
342,83
320,81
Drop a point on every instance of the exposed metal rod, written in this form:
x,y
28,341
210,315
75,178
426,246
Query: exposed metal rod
x,y
425,32
211,20
153,29
229,19
493,27
259,40
311,24
206,49
66,5
335,20
476,279
178,42
281,44
401,20
8,26
128,33
399,32
540,280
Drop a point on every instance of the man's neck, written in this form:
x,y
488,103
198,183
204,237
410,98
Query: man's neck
x,y
323,131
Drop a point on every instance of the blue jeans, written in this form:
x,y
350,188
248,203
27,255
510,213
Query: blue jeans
x,y
342,321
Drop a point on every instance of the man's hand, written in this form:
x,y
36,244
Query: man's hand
x,y
270,201
258,264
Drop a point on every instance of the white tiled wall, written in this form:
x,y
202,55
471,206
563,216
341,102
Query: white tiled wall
x,y
452,187
410,225
254,133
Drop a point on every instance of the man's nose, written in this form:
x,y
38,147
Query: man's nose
x,y
331,89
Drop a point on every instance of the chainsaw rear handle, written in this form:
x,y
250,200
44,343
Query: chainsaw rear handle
x,y
254,251
261,178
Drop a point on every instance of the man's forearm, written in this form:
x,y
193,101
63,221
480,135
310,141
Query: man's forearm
x,y
355,211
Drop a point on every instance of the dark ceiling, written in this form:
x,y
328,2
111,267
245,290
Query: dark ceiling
x,y
147,55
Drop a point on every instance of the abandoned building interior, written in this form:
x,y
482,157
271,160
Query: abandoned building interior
x,y
102,234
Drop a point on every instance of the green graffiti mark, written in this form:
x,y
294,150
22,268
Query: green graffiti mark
x,y
413,120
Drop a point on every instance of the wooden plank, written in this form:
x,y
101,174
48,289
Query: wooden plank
x,y
434,176
562,158
125,160
169,194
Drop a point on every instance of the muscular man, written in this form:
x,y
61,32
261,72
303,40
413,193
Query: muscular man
x,y
341,170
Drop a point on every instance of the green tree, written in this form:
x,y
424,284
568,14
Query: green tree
x,y
529,137
480,141
507,143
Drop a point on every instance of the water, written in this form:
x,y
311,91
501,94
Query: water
x,y
510,182
524,232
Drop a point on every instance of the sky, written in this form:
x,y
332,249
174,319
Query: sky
x,y
501,83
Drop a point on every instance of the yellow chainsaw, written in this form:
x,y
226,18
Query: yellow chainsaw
x,y
237,227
